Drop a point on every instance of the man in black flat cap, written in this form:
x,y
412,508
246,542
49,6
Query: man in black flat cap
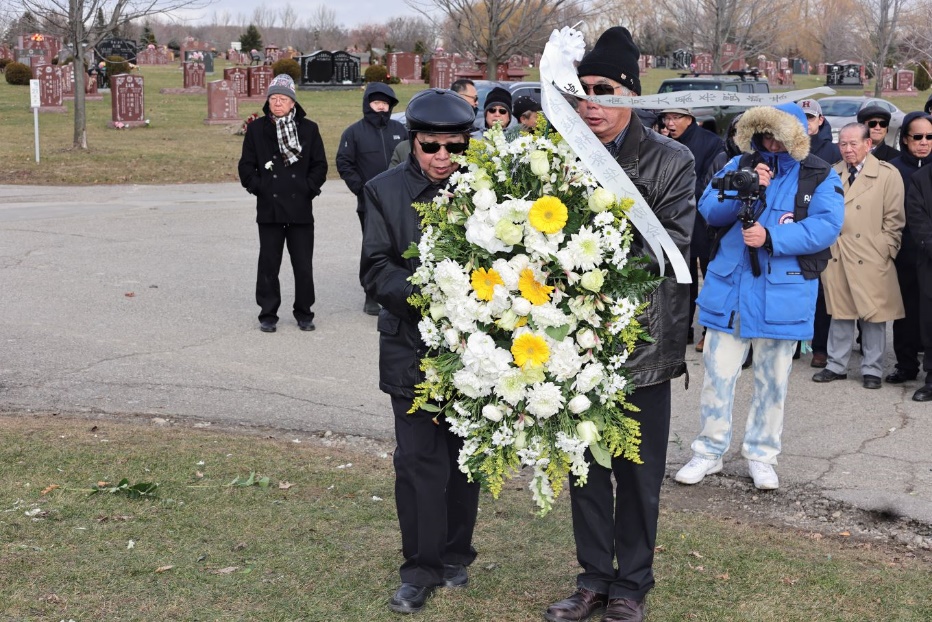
x,y
617,523
436,503
877,121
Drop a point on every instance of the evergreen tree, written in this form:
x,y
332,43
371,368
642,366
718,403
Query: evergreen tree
x,y
148,37
251,39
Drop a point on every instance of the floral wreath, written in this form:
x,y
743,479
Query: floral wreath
x,y
528,296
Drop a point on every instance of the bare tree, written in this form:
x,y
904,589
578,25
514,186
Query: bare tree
x,y
917,37
881,19
368,36
74,21
410,34
497,29
264,18
288,16
322,32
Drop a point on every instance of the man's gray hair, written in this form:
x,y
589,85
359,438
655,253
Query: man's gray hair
x,y
865,131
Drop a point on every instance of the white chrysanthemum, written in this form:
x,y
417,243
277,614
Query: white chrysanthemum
x,y
463,313
564,362
603,219
585,249
516,209
589,377
541,244
471,384
484,199
507,272
511,386
549,315
521,306
544,400
452,278
500,302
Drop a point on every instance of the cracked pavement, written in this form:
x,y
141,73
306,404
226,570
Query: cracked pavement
x,y
139,301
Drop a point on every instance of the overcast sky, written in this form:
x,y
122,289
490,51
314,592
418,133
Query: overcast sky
x,y
349,13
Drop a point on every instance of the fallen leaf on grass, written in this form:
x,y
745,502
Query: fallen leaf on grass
x,y
162,569
239,546
659,548
789,581
227,570
696,554
284,485
845,534
723,576
49,489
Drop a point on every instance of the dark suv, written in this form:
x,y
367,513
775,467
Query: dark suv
x,y
715,118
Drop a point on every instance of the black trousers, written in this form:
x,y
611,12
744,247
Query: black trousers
x,y
272,239
925,327
695,265
617,523
906,334
436,505
820,324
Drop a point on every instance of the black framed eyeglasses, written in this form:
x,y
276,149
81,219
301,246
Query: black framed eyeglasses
x,y
497,110
918,137
600,88
452,148
877,123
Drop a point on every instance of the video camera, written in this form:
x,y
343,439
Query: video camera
x,y
743,182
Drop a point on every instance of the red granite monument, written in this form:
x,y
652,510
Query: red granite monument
x,y
50,91
238,77
194,75
128,102
222,107
406,66
259,79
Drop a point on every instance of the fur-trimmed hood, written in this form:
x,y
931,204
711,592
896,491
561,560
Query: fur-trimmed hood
x,y
787,123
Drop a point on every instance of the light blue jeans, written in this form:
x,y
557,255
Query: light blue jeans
x,y
722,356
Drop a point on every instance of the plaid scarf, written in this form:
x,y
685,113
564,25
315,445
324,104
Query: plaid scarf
x,y
287,132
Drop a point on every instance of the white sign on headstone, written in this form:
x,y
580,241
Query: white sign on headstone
x,y
35,99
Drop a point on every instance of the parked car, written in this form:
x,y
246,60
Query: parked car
x,y
843,109
716,118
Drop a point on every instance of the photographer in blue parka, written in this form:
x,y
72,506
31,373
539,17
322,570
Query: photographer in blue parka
x,y
777,210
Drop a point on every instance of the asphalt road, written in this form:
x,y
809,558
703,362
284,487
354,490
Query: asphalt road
x,y
139,301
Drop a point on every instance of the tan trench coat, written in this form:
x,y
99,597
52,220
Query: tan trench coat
x,y
860,280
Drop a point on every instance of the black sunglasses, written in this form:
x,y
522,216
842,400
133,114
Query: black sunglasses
x,y
452,148
918,137
497,110
877,123
599,88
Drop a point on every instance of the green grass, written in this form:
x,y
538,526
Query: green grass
x,y
325,549
178,147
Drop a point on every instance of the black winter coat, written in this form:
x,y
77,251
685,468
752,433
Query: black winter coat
x,y
705,147
367,145
664,174
391,226
885,153
283,193
908,165
821,144
919,221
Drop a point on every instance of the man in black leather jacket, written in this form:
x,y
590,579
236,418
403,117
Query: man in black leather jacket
x,y
619,523
436,504
366,148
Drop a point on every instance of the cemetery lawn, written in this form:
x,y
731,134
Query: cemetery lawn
x,y
178,147
320,541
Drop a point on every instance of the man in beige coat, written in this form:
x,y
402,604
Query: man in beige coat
x,y
860,281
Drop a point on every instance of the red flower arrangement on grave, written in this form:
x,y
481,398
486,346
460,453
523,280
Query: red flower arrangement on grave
x,y
246,122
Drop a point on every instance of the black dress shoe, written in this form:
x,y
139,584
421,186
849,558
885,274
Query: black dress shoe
x,y
409,598
923,393
577,608
871,382
827,375
455,575
266,326
625,610
819,360
898,376
306,324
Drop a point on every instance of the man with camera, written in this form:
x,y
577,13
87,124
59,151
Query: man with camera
x,y
777,210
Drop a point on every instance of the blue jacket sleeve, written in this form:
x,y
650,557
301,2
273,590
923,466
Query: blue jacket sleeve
x,y
719,213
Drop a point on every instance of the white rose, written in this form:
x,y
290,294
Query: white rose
x,y
593,280
481,180
437,311
579,404
586,339
587,431
601,199
520,440
508,232
452,337
484,199
521,306
508,320
540,165
492,412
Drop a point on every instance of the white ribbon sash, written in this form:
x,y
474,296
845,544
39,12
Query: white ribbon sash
x,y
558,76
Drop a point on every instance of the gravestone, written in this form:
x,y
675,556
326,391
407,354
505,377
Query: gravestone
x,y
114,46
90,89
67,81
886,77
905,80
345,68
127,101
259,79
703,62
272,54
203,57
50,95
317,68
194,75
6,52
441,71
221,103
153,56
238,77
404,65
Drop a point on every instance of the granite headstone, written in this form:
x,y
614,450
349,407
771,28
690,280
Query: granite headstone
x,y
221,103
128,101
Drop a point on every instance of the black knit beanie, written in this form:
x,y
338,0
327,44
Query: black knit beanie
x,y
614,56
498,96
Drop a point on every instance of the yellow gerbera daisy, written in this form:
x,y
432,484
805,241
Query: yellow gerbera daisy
x,y
530,350
536,292
484,282
547,214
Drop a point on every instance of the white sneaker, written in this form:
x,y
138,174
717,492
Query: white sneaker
x,y
698,468
765,478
